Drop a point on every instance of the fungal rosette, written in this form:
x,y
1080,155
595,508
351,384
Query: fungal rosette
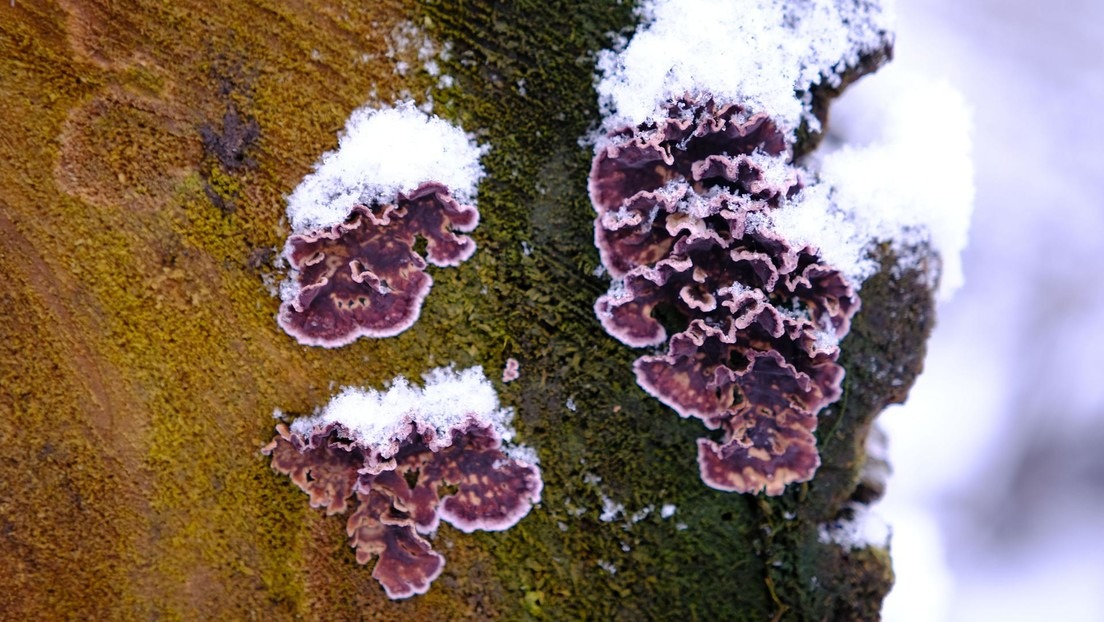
x,y
393,452
683,223
398,176
362,277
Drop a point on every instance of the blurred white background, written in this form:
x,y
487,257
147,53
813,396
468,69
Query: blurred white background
x,y
997,500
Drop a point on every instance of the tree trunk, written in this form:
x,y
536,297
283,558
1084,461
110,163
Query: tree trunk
x,y
148,147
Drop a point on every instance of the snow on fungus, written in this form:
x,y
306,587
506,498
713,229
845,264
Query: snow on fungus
x,y
392,452
681,210
383,152
363,278
788,59
766,54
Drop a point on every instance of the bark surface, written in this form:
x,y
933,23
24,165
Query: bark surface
x,y
147,148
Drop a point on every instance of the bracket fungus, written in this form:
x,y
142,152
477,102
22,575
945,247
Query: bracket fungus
x,y
390,454
398,174
362,277
683,224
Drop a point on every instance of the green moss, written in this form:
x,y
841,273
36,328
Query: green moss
x,y
538,309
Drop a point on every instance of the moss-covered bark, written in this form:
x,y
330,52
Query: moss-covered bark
x,y
139,213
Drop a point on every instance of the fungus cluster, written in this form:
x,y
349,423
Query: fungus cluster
x,y
390,454
684,209
397,176
362,277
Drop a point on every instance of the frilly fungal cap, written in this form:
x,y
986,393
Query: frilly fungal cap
x,y
683,223
423,440
362,278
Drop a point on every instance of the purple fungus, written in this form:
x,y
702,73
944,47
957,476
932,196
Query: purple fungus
x,y
362,277
512,371
640,174
492,492
325,471
407,564
393,452
683,224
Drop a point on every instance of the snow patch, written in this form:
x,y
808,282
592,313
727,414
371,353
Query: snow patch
x,y
907,179
407,44
864,529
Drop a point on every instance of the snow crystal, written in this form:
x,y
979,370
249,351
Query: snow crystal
x,y
610,510
759,52
911,183
407,44
381,153
375,418
522,453
864,529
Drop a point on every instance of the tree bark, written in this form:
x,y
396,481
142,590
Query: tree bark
x,y
148,147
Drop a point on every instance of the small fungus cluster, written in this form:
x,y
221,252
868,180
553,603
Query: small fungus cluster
x,y
362,277
683,226
398,174
512,371
391,453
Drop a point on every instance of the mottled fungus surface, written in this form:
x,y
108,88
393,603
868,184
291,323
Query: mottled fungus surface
x,y
363,278
683,225
392,452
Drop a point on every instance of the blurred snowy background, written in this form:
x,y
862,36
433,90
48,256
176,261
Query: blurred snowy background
x,y
997,501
